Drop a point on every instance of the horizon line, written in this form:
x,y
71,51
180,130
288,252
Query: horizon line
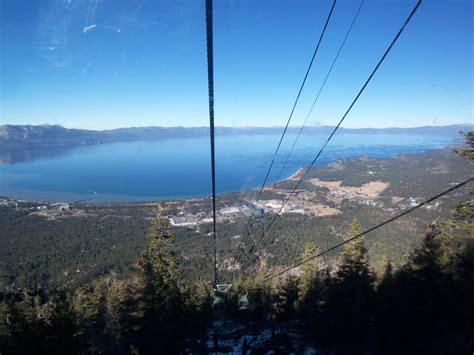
x,y
232,127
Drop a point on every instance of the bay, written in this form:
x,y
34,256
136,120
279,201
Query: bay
x,y
175,168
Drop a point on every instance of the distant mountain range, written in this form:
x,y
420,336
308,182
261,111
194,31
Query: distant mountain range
x,y
30,136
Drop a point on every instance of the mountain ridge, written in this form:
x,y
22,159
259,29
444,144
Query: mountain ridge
x,y
28,136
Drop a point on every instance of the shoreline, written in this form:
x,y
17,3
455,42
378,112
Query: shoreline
x,y
112,199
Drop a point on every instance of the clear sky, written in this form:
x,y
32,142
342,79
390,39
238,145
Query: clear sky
x,y
103,64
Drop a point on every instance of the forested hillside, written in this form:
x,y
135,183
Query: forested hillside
x,y
341,307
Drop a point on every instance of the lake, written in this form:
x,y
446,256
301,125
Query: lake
x,y
173,168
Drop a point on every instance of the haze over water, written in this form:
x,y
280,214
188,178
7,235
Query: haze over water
x,y
173,168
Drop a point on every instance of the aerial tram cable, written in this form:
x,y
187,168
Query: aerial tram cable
x,y
219,289
320,90
294,106
210,84
340,122
390,220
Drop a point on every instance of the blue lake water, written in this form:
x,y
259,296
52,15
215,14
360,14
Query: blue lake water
x,y
150,170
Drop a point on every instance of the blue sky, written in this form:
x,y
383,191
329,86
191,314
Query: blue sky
x,y
103,64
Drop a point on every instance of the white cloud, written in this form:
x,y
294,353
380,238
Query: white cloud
x,y
89,28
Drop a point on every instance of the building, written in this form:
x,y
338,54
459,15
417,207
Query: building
x,y
183,221
229,210
298,210
60,206
207,220
274,204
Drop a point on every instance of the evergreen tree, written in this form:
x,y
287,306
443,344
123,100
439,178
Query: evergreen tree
x,y
346,315
308,269
36,323
414,314
154,306
468,150
354,259
98,307
314,281
286,298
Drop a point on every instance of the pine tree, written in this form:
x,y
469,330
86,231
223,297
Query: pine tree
x,y
308,269
413,315
286,298
98,307
354,257
154,306
349,300
314,281
36,323
468,150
